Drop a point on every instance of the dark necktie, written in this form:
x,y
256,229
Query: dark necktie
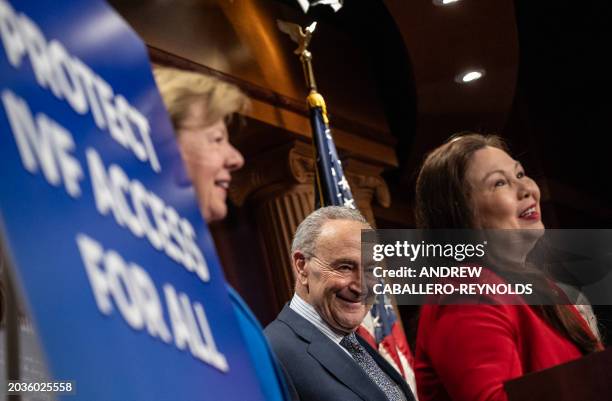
x,y
369,365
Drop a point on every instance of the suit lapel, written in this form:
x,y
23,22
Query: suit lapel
x,y
332,358
344,368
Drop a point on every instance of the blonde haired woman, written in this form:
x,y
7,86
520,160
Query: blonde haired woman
x,y
200,107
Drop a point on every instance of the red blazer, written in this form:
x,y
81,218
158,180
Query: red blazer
x,y
467,352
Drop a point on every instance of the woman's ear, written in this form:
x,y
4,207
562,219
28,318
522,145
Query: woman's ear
x,y
299,267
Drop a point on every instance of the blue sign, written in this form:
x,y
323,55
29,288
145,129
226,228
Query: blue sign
x,y
117,267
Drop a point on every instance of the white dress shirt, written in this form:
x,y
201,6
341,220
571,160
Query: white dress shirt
x,y
308,312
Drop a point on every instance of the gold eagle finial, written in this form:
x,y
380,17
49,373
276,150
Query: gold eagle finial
x,y
298,35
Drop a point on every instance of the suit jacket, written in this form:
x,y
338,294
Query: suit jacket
x,y
467,352
320,370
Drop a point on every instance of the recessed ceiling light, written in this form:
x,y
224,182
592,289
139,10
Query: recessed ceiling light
x,y
469,76
444,2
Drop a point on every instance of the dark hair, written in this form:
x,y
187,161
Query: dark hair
x,y
442,196
443,201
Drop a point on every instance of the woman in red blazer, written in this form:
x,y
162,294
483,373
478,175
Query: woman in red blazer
x,y
467,352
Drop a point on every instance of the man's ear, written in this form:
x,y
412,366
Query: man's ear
x,y
298,260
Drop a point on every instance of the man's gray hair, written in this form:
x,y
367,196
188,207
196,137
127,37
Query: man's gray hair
x,y
308,231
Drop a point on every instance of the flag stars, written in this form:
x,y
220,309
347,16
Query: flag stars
x,y
344,183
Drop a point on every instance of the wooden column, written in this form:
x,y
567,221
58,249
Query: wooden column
x,y
367,185
278,185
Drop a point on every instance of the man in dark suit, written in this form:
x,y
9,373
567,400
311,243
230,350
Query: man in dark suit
x,y
314,335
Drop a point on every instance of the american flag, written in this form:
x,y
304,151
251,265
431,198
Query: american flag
x,y
381,330
380,327
332,188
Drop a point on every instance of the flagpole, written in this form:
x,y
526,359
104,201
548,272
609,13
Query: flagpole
x,y
319,120
314,98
